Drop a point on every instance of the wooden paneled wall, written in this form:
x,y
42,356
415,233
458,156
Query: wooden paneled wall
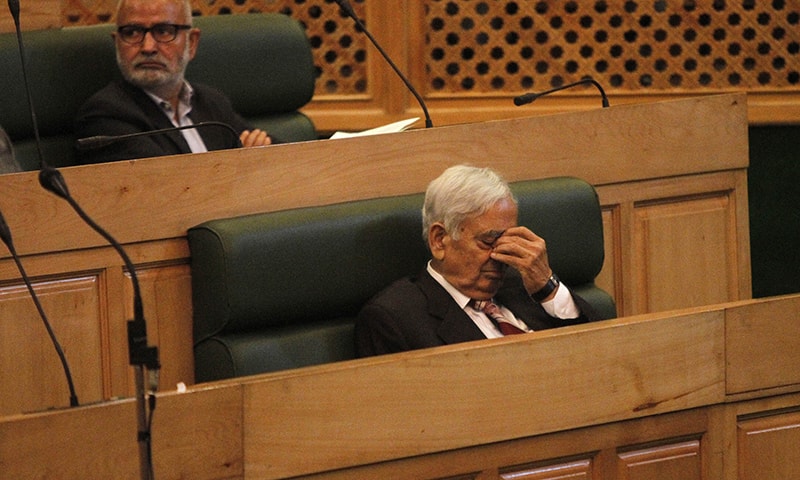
x,y
469,58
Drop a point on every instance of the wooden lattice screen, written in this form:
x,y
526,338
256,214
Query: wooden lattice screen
x,y
518,45
502,47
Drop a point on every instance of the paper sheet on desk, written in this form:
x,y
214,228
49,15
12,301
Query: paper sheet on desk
x,y
390,128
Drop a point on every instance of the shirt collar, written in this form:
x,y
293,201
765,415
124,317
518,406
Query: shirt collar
x,y
184,98
460,299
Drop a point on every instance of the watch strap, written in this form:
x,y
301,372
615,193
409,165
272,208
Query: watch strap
x,y
547,289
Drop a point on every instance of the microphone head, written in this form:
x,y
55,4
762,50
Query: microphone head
x,y
97,141
13,7
525,99
52,181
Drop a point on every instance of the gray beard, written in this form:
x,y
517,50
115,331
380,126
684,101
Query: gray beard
x,y
159,83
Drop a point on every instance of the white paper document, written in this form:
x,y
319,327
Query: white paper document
x,y
390,128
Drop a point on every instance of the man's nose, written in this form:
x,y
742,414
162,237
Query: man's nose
x,y
149,43
498,264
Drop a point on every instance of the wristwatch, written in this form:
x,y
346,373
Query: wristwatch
x,y
549,287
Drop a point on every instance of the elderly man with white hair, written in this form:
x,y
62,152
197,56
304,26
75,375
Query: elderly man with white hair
x,y
487,277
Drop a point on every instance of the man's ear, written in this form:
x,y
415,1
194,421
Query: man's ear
x,y
437,237
194,41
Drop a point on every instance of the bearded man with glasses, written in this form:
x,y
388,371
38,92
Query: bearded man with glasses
x,y
155,41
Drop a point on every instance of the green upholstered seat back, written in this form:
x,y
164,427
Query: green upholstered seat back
x,y
262,61
282,289
64,67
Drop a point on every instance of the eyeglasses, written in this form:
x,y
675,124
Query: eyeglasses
x,y
161,32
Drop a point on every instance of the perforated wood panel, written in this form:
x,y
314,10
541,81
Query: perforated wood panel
x,y
485,46
499,46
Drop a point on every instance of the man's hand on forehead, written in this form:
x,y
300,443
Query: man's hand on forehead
x,y
525,251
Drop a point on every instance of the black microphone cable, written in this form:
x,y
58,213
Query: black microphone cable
x,y
100,141
13,7
527,98
141,355
348,10
5,234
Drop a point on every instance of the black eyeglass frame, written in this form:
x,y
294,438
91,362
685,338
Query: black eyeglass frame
x,y
171,29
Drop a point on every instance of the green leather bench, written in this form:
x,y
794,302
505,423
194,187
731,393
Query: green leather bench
x,y
281,290
263,62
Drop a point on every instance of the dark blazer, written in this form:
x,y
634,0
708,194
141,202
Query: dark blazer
x,y
417,312
121,108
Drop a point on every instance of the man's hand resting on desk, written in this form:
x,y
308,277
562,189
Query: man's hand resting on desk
x,y
255,138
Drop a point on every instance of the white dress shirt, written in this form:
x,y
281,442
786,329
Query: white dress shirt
x,y
192,136
560,306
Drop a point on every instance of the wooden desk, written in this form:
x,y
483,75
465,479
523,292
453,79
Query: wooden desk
x,y
707,392
671,178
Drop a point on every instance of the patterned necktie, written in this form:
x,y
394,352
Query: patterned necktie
x,y
493,312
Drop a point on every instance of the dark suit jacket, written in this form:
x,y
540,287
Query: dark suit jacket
x,y
121,108
417,312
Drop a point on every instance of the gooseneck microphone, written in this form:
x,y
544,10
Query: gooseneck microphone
x,y
348,10
530,97
13,7
141,355
5,234
100,141
52,180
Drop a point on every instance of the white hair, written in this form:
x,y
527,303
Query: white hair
x,y
459,193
